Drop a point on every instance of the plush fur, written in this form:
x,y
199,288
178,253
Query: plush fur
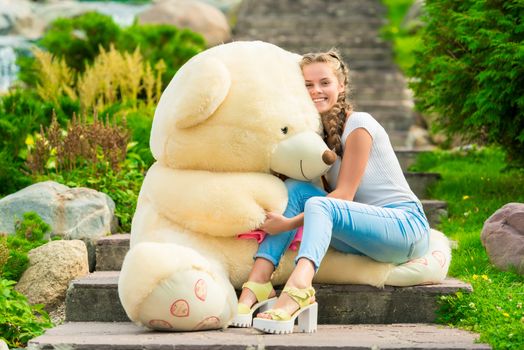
x,y
218,129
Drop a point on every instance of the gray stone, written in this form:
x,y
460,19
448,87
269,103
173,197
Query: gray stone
x,y
435,211
198,16
420,182
72,213
503,237
51,268
110,252
105,336
95,298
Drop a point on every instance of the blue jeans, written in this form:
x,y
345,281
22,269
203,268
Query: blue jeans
x,y
394,233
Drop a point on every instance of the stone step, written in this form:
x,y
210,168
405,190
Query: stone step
x,y
332,8
94,298
419,182
408,157
294,43
125,335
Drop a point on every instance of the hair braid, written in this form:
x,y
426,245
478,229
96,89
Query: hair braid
x,y
333,120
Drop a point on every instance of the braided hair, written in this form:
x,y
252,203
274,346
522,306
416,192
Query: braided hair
x,y
334,119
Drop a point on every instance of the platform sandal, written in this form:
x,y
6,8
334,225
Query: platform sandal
x,y
281,322
244,317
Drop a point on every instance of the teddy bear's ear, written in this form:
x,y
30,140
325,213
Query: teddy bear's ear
x,y
202,86
193,95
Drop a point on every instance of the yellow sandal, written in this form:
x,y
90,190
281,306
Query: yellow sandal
x,y
281,322
244,317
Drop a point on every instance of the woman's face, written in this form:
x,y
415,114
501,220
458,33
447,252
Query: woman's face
x,y
322,85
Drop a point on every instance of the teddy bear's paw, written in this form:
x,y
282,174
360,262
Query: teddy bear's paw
x,y
187,300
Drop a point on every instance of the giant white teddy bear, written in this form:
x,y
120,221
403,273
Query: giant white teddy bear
x,y
231,117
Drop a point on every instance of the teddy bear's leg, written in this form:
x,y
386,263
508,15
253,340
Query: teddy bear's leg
x,y
173,288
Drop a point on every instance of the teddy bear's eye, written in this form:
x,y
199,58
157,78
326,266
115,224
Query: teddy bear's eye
x,y
284,130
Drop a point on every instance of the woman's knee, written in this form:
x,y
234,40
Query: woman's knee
x,y
317,204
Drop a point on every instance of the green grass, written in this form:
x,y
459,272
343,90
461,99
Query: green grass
x,y
475,184
403,41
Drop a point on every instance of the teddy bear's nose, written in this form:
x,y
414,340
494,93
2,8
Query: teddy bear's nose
x,y
329,157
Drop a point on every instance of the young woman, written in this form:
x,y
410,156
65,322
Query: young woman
x,y
370,211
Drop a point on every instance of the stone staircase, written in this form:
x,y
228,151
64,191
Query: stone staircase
x,y
350,317
353,27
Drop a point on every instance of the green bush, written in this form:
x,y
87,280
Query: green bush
x,y
469,71
78,40
30,233
19,321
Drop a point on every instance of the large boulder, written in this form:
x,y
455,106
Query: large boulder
x,y
195,15
503,237
51,268
72,213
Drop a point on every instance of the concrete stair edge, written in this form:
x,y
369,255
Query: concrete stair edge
x,y
95,298
102,336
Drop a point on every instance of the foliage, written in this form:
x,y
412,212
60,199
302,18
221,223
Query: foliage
x,y
4,252
78,40
161,42
112,77
82,144
475,183
405,40
95,155
30,232
19,321
81,39
469,71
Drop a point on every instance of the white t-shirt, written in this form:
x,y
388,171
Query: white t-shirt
x,y
383,181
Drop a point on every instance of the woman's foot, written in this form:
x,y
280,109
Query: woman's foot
x,y
248,298
255,296
285,303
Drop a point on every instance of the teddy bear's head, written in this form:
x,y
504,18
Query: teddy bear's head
x,y
240,107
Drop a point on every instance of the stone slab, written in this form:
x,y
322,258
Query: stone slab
x,y
102,336
110,252
95,298
420,182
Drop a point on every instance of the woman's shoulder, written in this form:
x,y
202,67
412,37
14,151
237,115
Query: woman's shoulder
x,y
356,118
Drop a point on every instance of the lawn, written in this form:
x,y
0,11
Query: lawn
x,y
475,184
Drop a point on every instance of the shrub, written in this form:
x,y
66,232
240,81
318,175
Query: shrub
x,y
469,71
93,155
80,40
30,232
19,321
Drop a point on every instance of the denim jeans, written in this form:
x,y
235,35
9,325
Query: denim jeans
x,y
394,233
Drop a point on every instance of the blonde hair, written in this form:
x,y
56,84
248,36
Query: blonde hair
x,y
334,119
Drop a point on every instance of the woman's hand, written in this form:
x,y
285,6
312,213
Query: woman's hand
x,y
275,223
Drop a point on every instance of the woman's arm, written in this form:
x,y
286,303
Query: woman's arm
x,y
354,162
277,223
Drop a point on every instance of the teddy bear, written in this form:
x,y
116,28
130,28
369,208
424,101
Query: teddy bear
x,y
231,120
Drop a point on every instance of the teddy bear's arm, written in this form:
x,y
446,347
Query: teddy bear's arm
x,y
219,204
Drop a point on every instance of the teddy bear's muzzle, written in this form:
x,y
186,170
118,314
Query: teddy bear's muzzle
x,y
303,156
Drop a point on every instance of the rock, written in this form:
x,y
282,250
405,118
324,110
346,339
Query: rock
x,y
418,138
503,237
18,18
51,268
72,213
197,16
